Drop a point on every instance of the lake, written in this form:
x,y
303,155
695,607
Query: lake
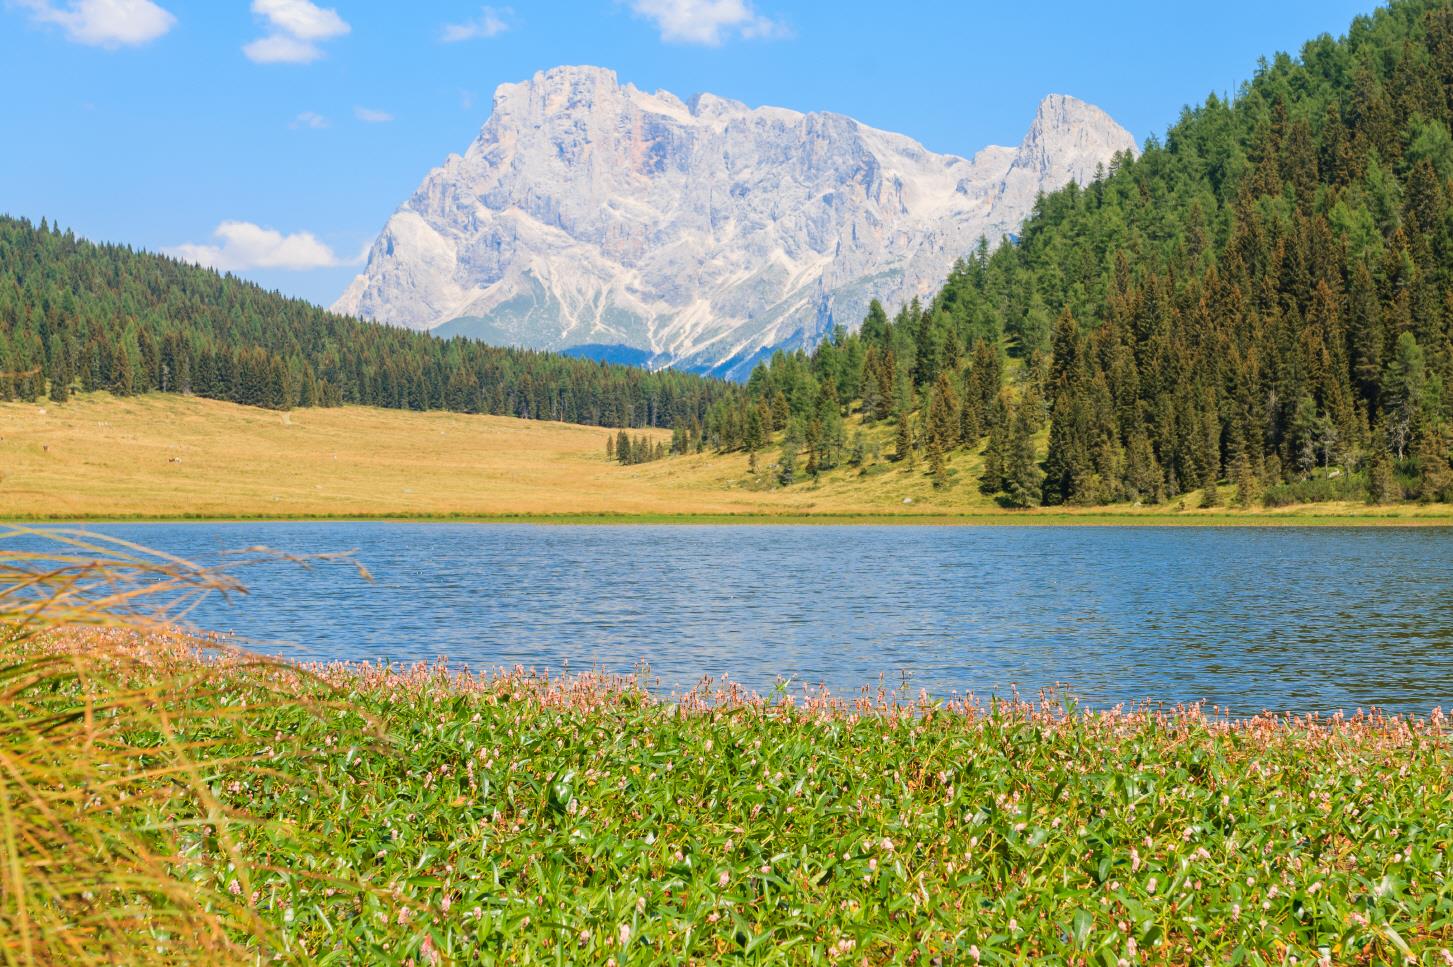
x,y
1288,619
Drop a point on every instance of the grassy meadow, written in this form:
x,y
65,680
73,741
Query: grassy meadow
x,y
414,815
163,456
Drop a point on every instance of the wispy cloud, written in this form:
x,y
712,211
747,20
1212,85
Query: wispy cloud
x,y
281,49
295,29
370,116
309,119
244,245
708,22
491,23
104,23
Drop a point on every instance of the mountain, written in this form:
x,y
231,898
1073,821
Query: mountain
x,y
74,314
699,233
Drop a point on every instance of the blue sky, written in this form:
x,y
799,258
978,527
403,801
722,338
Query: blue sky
x,y
275,137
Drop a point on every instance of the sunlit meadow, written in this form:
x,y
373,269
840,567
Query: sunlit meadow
x,y
517,818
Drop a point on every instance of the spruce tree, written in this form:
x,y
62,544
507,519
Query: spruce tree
x,y
1435,468
1382,487
1245,480
903,439
996,454
943,414
787,460
937,468
1022,476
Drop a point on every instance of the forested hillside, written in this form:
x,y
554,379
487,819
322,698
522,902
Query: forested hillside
x,y
78,315
1264,299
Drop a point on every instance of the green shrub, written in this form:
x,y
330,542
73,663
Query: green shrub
x,y
1317,490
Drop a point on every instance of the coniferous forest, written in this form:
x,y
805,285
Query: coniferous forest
x,y
1262,302
75,315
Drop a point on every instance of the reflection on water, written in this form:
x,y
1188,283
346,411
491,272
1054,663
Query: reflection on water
x,y
1285,619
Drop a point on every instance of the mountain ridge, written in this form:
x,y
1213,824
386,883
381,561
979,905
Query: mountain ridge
x,y
701,231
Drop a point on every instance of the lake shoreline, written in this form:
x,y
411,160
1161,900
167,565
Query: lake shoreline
x,y
1032,518
1227,616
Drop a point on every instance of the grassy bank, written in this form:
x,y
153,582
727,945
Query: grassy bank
x,y
174,458
414,815
1307,517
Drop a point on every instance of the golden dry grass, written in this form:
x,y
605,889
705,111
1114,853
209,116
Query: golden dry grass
x,y
168,456
105,805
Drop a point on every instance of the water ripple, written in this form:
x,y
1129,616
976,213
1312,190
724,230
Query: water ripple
x,y
1245,619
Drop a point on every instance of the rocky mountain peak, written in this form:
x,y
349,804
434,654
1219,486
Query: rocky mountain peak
x,y
700,233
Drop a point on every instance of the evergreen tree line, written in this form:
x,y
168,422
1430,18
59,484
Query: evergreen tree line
x,y
1263,300
76,315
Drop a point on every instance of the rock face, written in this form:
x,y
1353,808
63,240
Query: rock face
x,y
697,233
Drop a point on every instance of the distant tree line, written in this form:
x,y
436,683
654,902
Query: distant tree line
x,y
76,315
1262,302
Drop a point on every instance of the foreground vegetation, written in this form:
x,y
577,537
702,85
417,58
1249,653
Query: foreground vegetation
x,y
166,456
416,815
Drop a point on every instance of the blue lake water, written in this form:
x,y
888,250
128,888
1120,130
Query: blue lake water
x,y
1305,619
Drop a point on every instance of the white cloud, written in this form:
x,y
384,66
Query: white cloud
x,y
248,246
309,119
104,23
491,23
281,49
294,29
707,22
369,116
301,18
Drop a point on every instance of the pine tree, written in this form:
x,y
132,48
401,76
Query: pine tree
x,y
996,455
1022,477
1435,468
755,436
1143,477
787,460
1245,480
1382,487
903,439
937,468
1404,389
943,415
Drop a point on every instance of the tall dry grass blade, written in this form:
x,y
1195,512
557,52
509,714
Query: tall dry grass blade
x,y
110,834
